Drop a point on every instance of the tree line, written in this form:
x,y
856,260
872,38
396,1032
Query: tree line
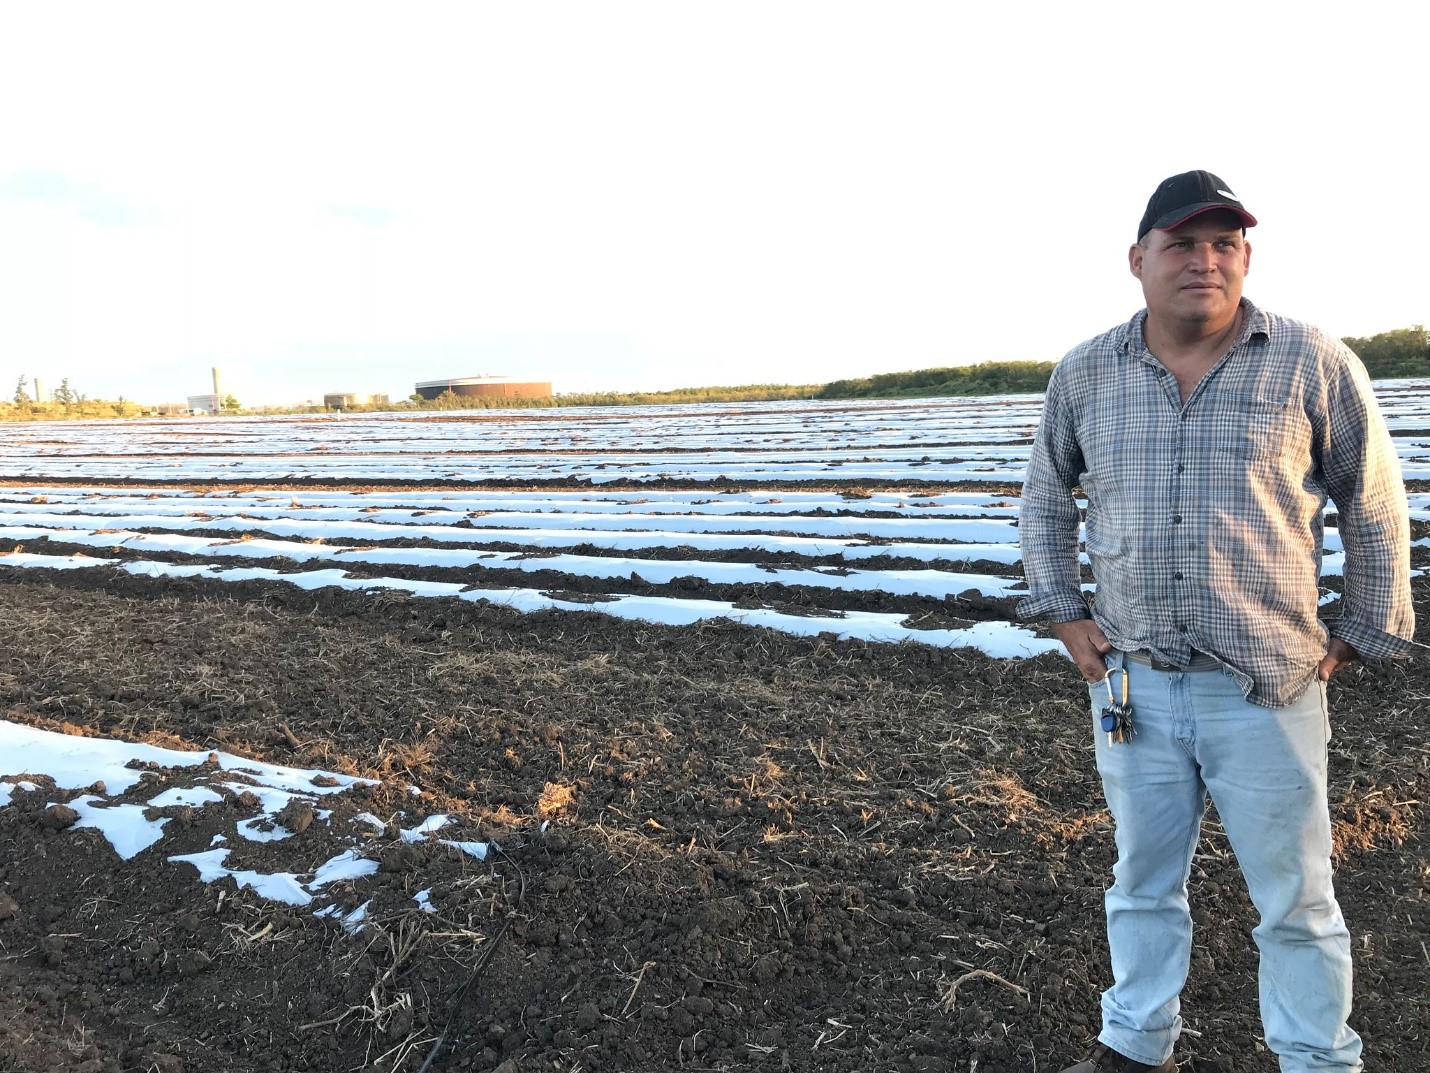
x,y
63,401
989,378
1400,354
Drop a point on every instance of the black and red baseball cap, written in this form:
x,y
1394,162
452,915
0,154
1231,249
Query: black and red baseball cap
x,y
1189,194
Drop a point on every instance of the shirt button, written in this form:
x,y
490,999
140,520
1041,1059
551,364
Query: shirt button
x,y
1181,468
1177,576
1176,519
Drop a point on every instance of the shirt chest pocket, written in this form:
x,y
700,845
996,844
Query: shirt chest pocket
x,y
1254,428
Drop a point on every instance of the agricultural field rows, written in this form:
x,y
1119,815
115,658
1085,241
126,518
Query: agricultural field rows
x,y
935,565
700,738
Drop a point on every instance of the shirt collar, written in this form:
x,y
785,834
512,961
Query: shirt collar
x,y
1253,323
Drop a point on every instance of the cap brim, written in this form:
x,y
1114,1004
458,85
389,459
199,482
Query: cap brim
x,y
1189,212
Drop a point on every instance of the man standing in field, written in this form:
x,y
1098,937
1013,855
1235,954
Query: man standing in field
x,y
1207,435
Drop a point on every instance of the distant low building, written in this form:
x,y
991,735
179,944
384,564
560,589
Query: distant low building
x,y
206,404
503,387
346,400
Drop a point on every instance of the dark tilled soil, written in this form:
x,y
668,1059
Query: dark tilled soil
x,y
721,848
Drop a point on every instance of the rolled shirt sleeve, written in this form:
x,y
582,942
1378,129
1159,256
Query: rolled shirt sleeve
x,y
1362,474
1048,518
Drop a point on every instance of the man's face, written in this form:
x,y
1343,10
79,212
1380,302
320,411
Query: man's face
x,y
1193,274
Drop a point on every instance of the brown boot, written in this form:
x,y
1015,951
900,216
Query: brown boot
x,y
1105,1060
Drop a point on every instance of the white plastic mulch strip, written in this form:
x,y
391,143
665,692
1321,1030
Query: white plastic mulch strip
x,y
108,768
437,504
1000,640
937,583
494,526
541,539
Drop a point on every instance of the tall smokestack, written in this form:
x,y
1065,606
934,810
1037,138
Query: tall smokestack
x,y
39,390
218,391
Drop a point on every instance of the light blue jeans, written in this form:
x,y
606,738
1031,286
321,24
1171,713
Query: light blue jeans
x,y
1265,768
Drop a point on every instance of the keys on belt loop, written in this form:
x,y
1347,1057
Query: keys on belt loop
x,y
1117,716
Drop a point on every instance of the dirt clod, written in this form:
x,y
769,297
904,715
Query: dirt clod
x,y
297,815
58,817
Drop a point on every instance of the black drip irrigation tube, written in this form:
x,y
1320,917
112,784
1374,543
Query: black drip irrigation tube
x,y
455,1006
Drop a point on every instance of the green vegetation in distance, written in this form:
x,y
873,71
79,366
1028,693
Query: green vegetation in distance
x,y
1403,354
449,400
1400,354
989,378
64,402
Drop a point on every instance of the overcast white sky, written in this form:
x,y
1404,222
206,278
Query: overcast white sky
x,y
354,196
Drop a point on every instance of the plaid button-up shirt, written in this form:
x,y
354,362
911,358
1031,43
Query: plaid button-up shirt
x,y
1204,518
